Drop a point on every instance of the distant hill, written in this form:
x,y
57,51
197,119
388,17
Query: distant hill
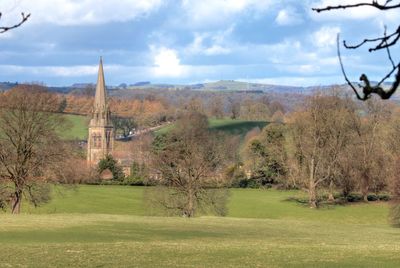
x,y
7,85
218,86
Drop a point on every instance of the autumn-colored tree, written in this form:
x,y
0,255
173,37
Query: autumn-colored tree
x,y
254,110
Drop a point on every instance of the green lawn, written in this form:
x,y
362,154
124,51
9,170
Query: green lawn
x,y
229,126
77,127
106,226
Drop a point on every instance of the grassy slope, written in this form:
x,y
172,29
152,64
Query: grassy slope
x,y
229,126
262,230
77,127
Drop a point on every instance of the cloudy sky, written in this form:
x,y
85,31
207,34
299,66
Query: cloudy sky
x,y
187,41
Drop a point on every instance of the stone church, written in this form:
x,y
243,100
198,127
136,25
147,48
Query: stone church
x,y
101,130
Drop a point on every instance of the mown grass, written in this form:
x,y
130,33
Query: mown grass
x,y
244,203
229,126
235,127
77,127
105,226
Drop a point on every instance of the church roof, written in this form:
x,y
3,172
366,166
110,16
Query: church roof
x,y
100,99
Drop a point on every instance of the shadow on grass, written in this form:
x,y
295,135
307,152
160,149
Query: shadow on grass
x,y
239,128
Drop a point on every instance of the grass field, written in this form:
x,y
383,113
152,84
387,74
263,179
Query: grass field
x,y
106,226
229,126
77,127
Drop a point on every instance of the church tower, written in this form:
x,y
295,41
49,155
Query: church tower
x,y
101,131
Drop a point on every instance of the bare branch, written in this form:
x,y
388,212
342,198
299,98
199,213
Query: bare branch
x,y
344,72
24,18
367,88
384,42
373,3
388,52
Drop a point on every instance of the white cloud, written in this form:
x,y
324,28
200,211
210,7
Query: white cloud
x,y
214,12
211,43
325,37
301,68
64,71
300,81
166,62
78,12
288,16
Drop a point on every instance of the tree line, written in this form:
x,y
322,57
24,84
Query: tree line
x,y
331,145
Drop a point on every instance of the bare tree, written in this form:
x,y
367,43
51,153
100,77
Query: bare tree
x,y
368,147
234,107
216,108
24,18
190,160
31,152
387,41
320,135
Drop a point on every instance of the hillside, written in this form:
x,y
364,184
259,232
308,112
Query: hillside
x,y
222,85
229,126
77,127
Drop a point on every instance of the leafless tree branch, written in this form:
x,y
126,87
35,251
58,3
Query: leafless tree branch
x,y
24,18
384,42
374,4
367,88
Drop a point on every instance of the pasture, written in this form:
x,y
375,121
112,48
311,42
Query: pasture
x,y
229,126
107,226
76,127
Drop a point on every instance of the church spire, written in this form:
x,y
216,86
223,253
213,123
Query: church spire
x,y
100,99
101,130
101,112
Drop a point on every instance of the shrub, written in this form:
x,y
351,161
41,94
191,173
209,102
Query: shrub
x,y
110,163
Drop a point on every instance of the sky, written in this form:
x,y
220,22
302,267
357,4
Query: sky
x,y
279,42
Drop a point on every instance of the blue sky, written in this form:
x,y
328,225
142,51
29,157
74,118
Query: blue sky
x,y
187,41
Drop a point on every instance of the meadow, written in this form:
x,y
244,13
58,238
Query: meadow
x,y
229,126
76,127
108,226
